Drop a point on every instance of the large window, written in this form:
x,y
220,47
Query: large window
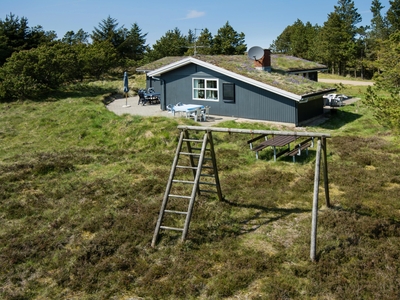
x,y
205,89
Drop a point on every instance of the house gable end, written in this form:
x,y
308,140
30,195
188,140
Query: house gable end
x,y
189,60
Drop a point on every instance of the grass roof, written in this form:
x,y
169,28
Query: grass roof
x,y
160,63
291,63
241,64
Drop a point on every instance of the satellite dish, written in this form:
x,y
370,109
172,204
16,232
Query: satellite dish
x,y
255,53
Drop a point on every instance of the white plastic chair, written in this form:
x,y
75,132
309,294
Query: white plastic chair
x,y
195,114
190,114
206,112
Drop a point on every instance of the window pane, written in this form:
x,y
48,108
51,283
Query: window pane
x,y
199,83
211,84
199,94
212,95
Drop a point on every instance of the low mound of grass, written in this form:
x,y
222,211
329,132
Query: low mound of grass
x,y
81,189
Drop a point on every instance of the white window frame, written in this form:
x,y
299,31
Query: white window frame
x,y
205,89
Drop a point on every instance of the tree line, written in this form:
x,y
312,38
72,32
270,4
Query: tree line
x,y
339,43
33,62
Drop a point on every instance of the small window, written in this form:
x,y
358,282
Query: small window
x,y
228,92
205,89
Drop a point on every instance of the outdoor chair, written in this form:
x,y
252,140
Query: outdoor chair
x,y
180,104
197,114
169,108
141,97
206,112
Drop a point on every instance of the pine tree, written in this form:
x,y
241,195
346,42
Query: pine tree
x,y
173,43
134,46
109,31
379,24
72,38
228,41
204,43
393,15
337,40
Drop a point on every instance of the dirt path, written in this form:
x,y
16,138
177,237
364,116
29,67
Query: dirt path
x,y
349,82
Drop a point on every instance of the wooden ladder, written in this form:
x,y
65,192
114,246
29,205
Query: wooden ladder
x,y
195,159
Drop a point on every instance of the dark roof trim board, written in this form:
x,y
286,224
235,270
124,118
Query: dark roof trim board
x,y
306,70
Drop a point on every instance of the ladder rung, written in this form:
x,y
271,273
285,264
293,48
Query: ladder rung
x,y
183,181
171,228
193,148
207,191
192,140
188,153
179,196
209,183
186,167
176,212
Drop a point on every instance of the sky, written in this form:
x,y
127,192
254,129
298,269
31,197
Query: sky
x,y
261,21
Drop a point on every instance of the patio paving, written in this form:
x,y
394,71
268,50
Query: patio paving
x,y
117,106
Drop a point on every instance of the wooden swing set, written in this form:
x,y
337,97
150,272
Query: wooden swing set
x,y
201,162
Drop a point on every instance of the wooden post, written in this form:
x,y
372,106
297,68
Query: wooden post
x,y
326,183
313,246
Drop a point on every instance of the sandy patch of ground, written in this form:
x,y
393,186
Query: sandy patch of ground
x,y
348,82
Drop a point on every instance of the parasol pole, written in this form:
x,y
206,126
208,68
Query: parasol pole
x,y
126,89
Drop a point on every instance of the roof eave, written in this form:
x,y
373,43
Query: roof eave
x,y
306,97
307,70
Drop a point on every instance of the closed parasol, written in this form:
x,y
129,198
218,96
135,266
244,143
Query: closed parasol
x,y
126,89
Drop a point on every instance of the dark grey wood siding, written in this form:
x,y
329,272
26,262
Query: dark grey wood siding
x,y
250,102
310,109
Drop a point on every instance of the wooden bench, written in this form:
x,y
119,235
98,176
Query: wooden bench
x,y
250,142
300,147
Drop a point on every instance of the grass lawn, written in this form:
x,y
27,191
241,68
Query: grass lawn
x,y
334,76
81,188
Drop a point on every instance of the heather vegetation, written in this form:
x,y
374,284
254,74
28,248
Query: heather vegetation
x,y
81,189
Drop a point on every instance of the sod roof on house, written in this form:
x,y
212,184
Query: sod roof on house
x,y
291,63
242,65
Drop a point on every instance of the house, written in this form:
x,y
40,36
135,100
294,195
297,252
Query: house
x,y
274,88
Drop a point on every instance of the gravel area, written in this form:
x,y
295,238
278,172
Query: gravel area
x,y
348,82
